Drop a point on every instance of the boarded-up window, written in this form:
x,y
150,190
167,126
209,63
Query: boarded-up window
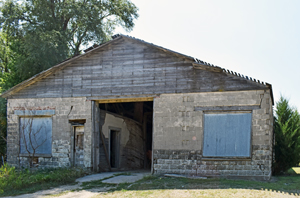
x,y
227,135
35,135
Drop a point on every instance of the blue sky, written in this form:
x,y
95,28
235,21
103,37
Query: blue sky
x,y
257,38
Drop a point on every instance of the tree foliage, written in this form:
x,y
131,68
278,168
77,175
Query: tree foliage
x,y
45,32
37,34
3,140
287,136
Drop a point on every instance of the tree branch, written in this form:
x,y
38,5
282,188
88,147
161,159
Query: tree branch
x,y
3,138
77,45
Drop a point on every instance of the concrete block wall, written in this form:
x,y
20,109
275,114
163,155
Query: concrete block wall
x,y
178,135
62,132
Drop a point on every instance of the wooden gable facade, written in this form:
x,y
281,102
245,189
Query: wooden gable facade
x,y
127,66
159,94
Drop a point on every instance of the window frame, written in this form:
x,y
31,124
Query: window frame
x,y
207,157
31,115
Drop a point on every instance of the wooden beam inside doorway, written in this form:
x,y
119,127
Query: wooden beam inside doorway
x,y
119,100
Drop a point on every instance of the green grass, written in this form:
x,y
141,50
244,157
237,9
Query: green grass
x,y
153,184
157,186
283,183
15,182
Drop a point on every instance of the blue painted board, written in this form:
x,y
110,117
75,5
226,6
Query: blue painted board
x,y
36,132
227,135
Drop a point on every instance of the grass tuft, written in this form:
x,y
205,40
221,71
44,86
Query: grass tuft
x,y
15,182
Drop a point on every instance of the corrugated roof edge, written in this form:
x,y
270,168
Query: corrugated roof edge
x,y
198,61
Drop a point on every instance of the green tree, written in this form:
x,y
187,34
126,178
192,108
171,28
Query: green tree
x,y
37,34
45,32
7,80
2,130
287,136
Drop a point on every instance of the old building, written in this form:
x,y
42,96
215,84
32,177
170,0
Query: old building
x,y
128,104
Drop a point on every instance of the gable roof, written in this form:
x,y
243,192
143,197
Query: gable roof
x,y
197,64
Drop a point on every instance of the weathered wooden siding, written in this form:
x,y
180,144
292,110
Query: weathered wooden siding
x,y
130,67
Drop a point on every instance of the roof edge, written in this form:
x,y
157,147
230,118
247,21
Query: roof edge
x,y
271,92
49,71
197,64
227,71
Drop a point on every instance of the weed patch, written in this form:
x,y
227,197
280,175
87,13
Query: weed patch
x,y
157,186
149,184
14,182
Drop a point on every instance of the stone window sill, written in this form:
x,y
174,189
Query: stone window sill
x,y
226,159
36,155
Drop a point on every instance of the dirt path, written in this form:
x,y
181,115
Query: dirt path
x,y
52,191
67,191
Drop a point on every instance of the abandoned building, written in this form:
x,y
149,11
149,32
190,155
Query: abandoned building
x,y
127,105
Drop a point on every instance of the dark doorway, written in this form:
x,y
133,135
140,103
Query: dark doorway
x,y
126,135
114,148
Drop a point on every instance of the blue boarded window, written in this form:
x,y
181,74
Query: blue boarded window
x,y
35,135
227,135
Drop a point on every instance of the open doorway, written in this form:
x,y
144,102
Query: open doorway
x,y
125,136
114,148
77,146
